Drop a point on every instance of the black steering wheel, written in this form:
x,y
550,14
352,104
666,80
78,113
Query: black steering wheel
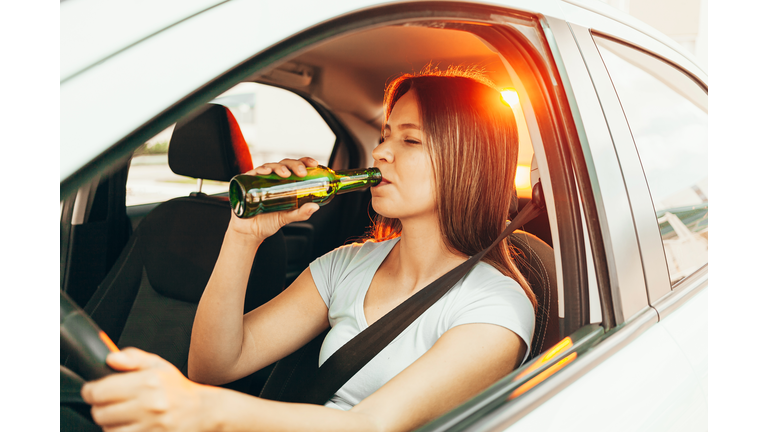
x,y
85,347
85,344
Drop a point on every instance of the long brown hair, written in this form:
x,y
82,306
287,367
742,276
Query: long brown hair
x,y
471,137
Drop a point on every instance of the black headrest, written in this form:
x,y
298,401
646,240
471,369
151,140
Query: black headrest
x,y
209,145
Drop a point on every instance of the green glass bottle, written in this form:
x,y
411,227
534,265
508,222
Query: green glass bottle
x,y
250,195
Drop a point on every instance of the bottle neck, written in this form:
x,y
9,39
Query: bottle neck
x,y
350,180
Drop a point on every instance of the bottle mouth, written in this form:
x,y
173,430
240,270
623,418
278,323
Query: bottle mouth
x,y
376,176
237,198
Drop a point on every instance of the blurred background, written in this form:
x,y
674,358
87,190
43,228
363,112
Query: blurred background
x,y
685,21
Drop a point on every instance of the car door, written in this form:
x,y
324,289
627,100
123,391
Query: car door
x,y
93,230
652,365
663,123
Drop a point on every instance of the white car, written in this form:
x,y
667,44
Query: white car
x,y
612,118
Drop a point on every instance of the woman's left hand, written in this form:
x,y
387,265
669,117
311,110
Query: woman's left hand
x,y
149,395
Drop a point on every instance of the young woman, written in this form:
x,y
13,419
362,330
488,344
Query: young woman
x,y
448,154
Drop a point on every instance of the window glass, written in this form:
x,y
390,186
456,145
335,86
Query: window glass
x,y
275,123
667,114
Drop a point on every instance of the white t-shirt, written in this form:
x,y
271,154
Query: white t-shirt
x,y
343,276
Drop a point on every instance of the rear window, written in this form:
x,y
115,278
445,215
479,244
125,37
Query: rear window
x,y
667,114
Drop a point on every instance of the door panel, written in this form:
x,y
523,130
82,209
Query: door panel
x,y
648,385
688,326
98,231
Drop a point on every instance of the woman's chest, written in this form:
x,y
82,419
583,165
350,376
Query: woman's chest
x,y
385,293
414,341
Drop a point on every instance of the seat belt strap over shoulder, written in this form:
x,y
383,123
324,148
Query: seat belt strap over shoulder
x,y
350,358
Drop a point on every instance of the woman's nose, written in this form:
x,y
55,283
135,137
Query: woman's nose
x,y
383,152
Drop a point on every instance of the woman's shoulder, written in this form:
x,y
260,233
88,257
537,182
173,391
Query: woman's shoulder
x,y
361,249
332,271
353,255
486,287
486,295
486,276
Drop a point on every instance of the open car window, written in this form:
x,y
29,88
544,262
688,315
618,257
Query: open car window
x,y
321,95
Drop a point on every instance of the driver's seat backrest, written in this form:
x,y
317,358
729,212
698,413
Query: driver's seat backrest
x,y
536,261
149,298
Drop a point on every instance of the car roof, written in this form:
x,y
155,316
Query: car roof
x,y
146,54
93,30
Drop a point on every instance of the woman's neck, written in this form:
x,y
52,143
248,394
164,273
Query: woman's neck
x,y
421,255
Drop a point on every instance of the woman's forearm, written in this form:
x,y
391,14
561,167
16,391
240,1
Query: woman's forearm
x,y
217,332
232,411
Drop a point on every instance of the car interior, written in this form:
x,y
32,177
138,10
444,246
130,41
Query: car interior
x,y
139,271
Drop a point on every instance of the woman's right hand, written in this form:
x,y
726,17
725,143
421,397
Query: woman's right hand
x,y
266,224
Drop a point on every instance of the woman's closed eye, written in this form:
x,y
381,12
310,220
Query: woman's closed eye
x,y
407,140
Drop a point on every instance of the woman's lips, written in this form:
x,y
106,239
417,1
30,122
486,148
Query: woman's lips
x,y
383,182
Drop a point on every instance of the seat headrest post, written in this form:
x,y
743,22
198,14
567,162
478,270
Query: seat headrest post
x,y
537,196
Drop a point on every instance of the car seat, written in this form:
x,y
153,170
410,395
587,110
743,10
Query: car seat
x,y
149,298
536,261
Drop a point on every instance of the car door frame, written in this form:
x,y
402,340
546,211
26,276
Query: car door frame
x,y
660,290
662,295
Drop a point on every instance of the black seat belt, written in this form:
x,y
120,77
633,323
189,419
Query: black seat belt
x,y
350,358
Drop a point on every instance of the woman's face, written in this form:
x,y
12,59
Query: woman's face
x,y
407,187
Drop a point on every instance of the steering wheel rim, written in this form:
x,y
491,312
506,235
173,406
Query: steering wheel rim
x,y
85,344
